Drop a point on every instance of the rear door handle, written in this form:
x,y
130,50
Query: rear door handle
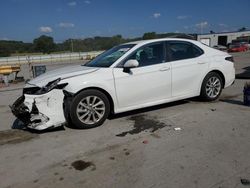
x,y
165,69
202,62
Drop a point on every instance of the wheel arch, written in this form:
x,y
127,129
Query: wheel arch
x,y
216,71
111,100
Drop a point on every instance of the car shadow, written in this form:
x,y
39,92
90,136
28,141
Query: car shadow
x,y
19,125
147,109
232,101
70,125
245,74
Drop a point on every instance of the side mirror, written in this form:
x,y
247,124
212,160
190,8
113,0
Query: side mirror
x,y
132,63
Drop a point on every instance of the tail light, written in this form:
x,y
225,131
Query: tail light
x,y
230,58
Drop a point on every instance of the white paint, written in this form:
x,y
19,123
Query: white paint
x,y
143,85
50,105
187,75
63,73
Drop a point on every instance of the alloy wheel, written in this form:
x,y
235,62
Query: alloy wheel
x,y
213,87
90,110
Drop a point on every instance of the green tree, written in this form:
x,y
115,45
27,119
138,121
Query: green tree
x,y
90,44
242,29
149,35
44,44
4,51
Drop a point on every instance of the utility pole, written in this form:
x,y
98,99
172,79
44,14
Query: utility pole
x,y
72,45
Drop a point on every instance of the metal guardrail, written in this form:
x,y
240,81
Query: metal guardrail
x,y
19,60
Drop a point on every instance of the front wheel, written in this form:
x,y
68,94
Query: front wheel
x,y
89,109
211,87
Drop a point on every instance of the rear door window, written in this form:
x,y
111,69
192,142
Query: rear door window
x,y
178,50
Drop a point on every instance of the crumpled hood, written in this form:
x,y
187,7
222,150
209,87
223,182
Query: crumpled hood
x,y
63,73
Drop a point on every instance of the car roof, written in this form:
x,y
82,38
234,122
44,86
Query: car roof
x,y
143,42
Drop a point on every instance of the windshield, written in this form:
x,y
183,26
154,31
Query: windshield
x,y
107,58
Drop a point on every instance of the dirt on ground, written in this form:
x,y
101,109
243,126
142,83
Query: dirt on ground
x,y
15,136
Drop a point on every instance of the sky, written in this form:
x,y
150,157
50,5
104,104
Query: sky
x,y
25,20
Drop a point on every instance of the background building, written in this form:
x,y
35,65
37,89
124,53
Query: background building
x,y
225,38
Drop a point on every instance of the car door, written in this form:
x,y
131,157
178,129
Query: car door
x,y
149,82
189,65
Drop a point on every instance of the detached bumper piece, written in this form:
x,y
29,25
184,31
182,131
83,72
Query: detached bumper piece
x,y
21,111
40,112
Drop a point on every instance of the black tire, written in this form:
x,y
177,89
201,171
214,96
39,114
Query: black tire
x,y
204,94
75,104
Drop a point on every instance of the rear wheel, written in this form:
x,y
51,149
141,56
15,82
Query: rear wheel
x,y
89,109
211,87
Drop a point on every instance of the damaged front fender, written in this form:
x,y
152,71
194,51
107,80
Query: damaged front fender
x,y
40,112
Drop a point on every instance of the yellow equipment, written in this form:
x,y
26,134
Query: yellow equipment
x,y
8,69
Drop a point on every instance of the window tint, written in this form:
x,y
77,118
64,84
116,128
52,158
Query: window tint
x,y
149,55
183,50
197,51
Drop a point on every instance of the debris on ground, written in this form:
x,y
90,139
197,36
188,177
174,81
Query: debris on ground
x,y
127,153
177,129
112,158
82,165
145,141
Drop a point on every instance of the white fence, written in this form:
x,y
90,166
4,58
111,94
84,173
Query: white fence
x,y
65,57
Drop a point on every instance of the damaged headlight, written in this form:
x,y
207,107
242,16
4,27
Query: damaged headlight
x,y
50,86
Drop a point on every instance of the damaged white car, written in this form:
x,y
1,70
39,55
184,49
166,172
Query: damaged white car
x,y
127,77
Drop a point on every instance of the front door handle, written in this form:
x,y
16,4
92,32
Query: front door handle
x,y
165,69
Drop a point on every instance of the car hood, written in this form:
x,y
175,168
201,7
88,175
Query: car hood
x,y
63,73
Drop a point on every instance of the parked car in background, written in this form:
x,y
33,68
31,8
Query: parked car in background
x,y
220,47
237,48
127,77
245,44
242,40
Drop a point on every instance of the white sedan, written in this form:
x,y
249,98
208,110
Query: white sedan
x,y
127,77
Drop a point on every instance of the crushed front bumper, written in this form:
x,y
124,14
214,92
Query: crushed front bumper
x,y
40,112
